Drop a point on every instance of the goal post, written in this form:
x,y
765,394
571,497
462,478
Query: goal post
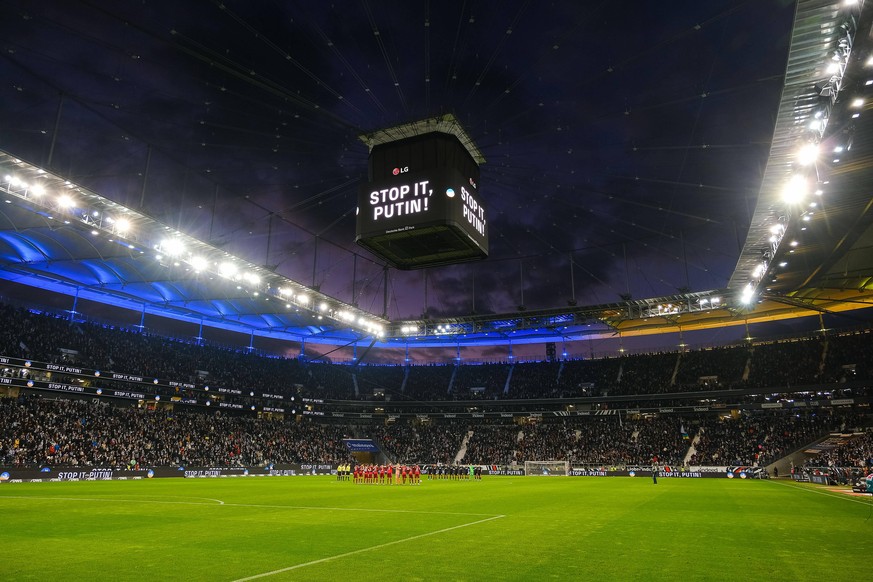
x,y
547,468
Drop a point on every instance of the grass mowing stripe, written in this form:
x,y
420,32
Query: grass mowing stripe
x,y
251,505
573,528
369,549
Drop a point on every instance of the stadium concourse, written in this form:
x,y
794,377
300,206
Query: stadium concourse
x,y
78,394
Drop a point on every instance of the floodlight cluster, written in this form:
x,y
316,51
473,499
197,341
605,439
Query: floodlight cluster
x,y
802,177
446,329
335,311
433,329
66,201
65,205
678,306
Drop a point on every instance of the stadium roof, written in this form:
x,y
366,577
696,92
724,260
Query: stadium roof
x,y
622,153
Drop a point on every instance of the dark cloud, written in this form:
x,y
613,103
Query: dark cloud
x,y
631,141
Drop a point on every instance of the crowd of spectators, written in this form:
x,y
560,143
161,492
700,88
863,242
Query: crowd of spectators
x,y
483,381
835,359
601,441
542,380
647,374
383,382
589,376
849,358
44,432
750,439
493,443
88,432
421,443
429,382
38,431
713,368
789,363
852,452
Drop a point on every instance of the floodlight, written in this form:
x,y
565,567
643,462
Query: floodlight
x,y
759,270
198,263
795,189
173,247
808,154
227,269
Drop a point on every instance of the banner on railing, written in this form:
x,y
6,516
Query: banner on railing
x,y
27,475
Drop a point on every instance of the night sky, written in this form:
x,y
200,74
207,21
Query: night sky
x,y
630,138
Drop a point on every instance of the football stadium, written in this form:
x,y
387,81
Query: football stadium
x,y
444,291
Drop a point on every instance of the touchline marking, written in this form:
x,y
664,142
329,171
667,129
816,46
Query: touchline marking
x,y
362,550
254,505
834,495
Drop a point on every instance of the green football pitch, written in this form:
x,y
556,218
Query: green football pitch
x,y
500,528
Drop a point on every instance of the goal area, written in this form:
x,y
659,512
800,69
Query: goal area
x,y
547,468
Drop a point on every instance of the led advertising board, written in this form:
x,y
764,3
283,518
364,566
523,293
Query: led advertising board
x,y
421,219
421,206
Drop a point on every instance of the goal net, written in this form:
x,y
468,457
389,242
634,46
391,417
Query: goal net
x,y
547,468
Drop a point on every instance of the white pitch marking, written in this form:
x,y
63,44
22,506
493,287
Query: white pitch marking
x,y
366,509
254,505
834,495
362,550
218,501
110,499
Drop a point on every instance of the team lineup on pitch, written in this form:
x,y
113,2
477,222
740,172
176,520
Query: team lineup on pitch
x,y
370,474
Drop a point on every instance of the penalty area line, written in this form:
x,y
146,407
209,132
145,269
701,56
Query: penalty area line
x,y
369,549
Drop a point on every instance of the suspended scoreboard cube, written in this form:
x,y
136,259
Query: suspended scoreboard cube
x,y
421,205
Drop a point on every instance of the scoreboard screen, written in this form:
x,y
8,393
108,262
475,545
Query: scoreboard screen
x,y
416,217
